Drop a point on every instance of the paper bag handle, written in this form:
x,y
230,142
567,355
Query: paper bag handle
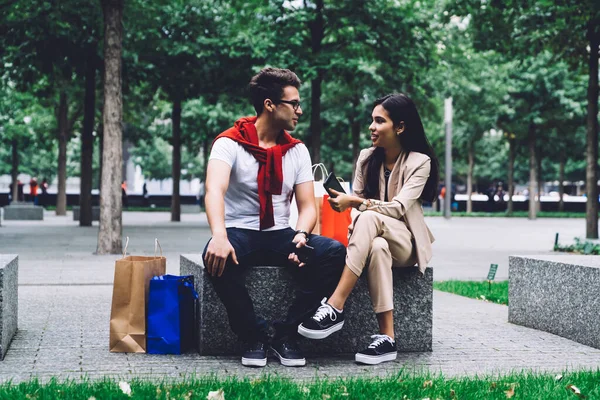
x,y
125,249
157,245
322,168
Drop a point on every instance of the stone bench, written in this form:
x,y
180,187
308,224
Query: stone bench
x,y
559,294
95,213
270,288
23,211
9,305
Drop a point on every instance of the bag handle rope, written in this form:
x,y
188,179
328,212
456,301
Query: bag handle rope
x,y
157,245
321,168
125,249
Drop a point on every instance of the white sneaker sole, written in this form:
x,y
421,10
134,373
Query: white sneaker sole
x,y
312,334
254,362
288,362
374,360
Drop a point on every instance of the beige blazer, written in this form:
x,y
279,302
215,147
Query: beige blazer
x,y
405,186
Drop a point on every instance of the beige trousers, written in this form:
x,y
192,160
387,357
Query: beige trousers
x,y
379,243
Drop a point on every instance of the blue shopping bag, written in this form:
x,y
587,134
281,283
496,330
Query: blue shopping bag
x,y
171,311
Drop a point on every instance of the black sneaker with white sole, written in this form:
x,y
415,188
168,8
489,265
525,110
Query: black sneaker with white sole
x,y
255,355
381,349
289,353
326,321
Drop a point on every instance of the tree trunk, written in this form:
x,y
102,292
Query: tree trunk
x,y
511,175
317,32
591,171
14,171
532,172
63,139
110,233
175,200
87,144
470,177
540,186
561,186
315,118
205,154
100,150
355,129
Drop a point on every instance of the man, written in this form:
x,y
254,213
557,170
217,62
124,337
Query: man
x,y
253,170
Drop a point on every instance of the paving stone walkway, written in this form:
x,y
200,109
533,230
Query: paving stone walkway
x,y
64,309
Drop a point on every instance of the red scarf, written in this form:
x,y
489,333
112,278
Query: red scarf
x,y
270,165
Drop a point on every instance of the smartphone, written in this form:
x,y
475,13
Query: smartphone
x,y
305,254
331,182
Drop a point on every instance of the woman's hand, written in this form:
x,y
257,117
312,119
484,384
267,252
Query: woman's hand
x,y
343,201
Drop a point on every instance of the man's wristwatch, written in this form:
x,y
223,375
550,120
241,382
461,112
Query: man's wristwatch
x,y
363,206
302,232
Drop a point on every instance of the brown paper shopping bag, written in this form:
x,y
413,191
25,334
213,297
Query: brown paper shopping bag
x,y
130,296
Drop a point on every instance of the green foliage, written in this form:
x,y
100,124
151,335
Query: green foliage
x,y
580,247
496,292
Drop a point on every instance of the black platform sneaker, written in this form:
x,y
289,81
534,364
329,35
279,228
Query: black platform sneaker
x,y
381,349
326,321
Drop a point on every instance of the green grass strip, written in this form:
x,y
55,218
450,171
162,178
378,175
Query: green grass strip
x,y
515,214
581,246
497,292
400,386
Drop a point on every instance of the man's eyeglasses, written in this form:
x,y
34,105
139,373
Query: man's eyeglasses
x,y
294,103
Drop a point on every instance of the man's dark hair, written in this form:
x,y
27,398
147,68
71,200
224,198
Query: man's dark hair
x,y
269,84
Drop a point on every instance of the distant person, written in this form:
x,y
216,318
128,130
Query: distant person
x,y
392,179
145,195
441,198
500,193
44,196
491,202
124,194
33,189
20,195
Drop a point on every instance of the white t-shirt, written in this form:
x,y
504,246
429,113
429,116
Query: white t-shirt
x,y
242,206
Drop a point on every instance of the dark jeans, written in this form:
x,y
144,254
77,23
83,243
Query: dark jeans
x,y
313,281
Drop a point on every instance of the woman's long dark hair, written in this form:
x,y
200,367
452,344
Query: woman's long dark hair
x,y
402,109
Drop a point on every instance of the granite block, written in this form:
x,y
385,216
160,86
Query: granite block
x,y
271,289
23,211
9,305
559,294
95,213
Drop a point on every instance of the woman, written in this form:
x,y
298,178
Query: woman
x,y
392,178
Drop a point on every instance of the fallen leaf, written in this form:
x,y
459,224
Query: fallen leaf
x,y
493,385
428,384
510,392
452,393
125,388
558,377
575,390
216,395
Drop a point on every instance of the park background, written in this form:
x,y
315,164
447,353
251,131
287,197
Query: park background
x,y
523,78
